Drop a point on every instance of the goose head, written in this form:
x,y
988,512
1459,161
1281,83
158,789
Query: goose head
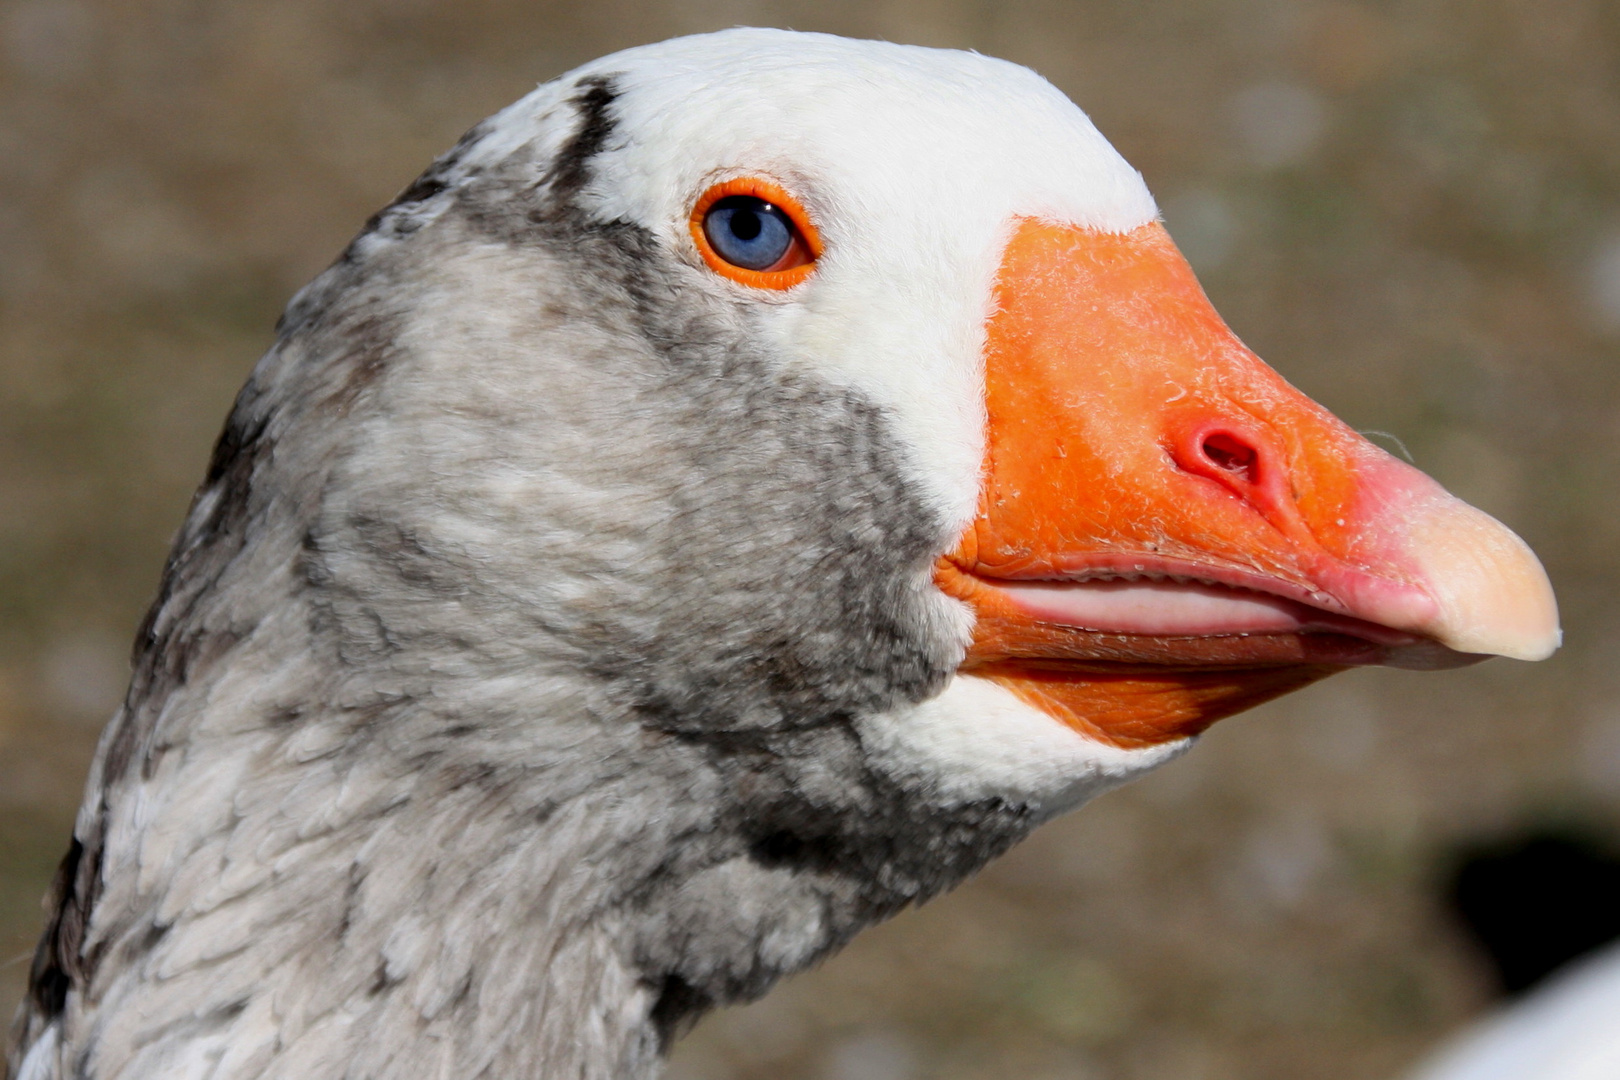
x,y
1124,519
742,488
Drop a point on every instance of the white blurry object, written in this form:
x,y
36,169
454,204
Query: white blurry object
x,y
1568,1029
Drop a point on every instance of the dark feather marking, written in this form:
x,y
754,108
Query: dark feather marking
x,y
373,337
153,938
421,189
169,644
677,1008
434,181
571,170
57,958
409,556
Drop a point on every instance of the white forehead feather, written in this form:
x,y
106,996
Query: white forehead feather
x,y
870,125
913,162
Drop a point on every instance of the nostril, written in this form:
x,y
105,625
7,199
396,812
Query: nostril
x,y
1231,454
1242,458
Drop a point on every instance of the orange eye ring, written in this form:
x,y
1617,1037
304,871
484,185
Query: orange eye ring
x,y
800,260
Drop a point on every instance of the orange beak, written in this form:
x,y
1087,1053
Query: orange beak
x,y
1169,533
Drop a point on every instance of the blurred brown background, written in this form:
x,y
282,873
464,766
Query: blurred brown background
x,y
1411,208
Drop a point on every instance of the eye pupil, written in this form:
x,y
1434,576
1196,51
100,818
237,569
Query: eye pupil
x,y
745,225
749,232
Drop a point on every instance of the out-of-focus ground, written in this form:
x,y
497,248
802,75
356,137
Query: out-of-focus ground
x,y
1411,208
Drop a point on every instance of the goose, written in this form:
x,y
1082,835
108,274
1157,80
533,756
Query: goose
x,y
740,489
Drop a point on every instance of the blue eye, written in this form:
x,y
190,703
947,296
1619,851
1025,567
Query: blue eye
x,y
749,232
